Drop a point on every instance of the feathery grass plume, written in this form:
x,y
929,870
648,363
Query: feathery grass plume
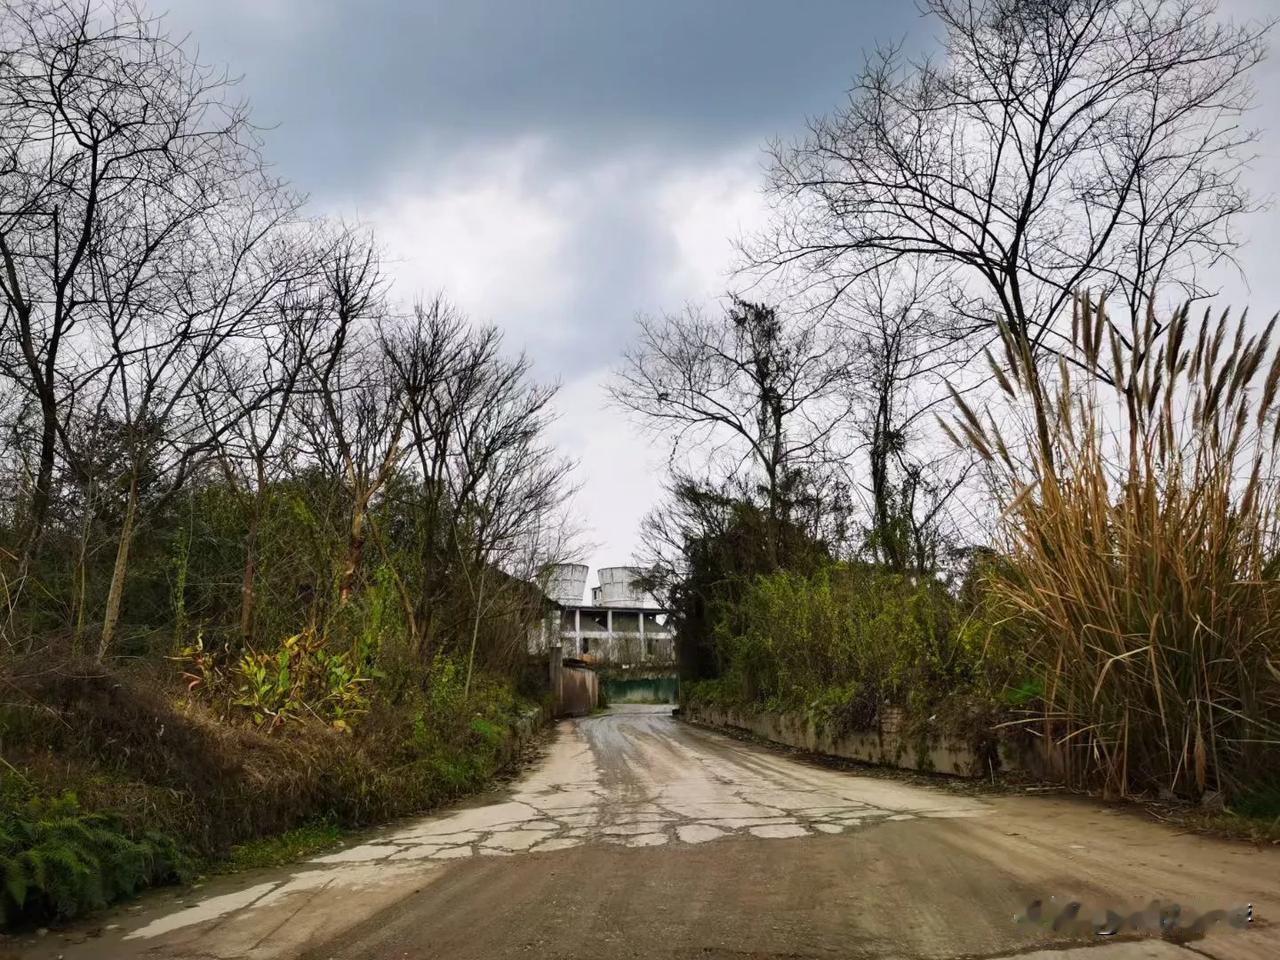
x,y
1143,551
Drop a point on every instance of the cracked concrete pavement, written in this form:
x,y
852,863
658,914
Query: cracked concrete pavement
x,y
639,836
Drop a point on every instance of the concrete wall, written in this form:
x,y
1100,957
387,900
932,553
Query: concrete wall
x,y
885,746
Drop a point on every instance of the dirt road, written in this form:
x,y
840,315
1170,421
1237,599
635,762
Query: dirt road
x,y
639,836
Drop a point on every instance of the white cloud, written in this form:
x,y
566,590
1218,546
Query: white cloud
x,y
706,210
560,249
620,473
484,232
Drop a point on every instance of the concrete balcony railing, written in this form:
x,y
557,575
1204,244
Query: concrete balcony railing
x,y
623,649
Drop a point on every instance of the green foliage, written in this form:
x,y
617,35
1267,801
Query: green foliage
x,y
1262,803
486,731
715,692
1027,692
454,743
727,539
148,761
288,847
850,640
300,680
56,860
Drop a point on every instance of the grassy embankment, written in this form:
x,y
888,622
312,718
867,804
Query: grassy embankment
x,y
120,779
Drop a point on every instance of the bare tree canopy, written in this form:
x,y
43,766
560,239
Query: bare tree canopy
x,y
753,386
134,213
173,325
1055,145
905,345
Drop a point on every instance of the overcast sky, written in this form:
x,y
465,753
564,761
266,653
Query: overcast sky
x,y
557,167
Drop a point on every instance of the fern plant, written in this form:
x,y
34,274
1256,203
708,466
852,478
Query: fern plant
x,y
57,860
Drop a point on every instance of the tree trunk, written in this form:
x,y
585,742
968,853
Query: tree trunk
x,y
777,476
355,547
247,576
82,574
42,493
475,633
406,601
111,618
771,521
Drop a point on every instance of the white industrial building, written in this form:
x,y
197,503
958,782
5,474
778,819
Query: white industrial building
x,y
622,624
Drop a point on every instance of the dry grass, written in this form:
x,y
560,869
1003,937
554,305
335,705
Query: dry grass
x,y
1140,510
134,742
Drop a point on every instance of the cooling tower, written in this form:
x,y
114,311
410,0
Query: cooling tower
x,y
566,583
619,588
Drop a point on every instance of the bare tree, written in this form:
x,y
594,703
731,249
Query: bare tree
x,y
487,492
425,354
356,420
765,390
506,483
905,348
115,145
261,380
158,381
169,323
1056,145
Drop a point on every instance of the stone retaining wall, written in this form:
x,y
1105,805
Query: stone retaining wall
x,y
885,746
522,732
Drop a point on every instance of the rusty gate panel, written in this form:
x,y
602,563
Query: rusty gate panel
x,y
579,691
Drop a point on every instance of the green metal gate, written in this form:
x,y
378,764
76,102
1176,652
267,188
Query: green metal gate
x,y
648,688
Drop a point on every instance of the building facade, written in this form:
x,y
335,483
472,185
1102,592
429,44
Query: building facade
x,y
622,625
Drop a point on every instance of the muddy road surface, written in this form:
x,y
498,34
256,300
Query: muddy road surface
x,y
640,836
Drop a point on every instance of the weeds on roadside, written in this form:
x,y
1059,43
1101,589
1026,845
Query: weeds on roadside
x,y
283,848
1140,504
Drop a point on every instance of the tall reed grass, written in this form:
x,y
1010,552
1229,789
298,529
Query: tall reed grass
x,y
1139,503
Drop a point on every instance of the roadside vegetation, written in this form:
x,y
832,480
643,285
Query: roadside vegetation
x,y
284,848
847,639
268,537
975,463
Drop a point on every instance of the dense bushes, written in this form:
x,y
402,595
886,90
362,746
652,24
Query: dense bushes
x,y
850,640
